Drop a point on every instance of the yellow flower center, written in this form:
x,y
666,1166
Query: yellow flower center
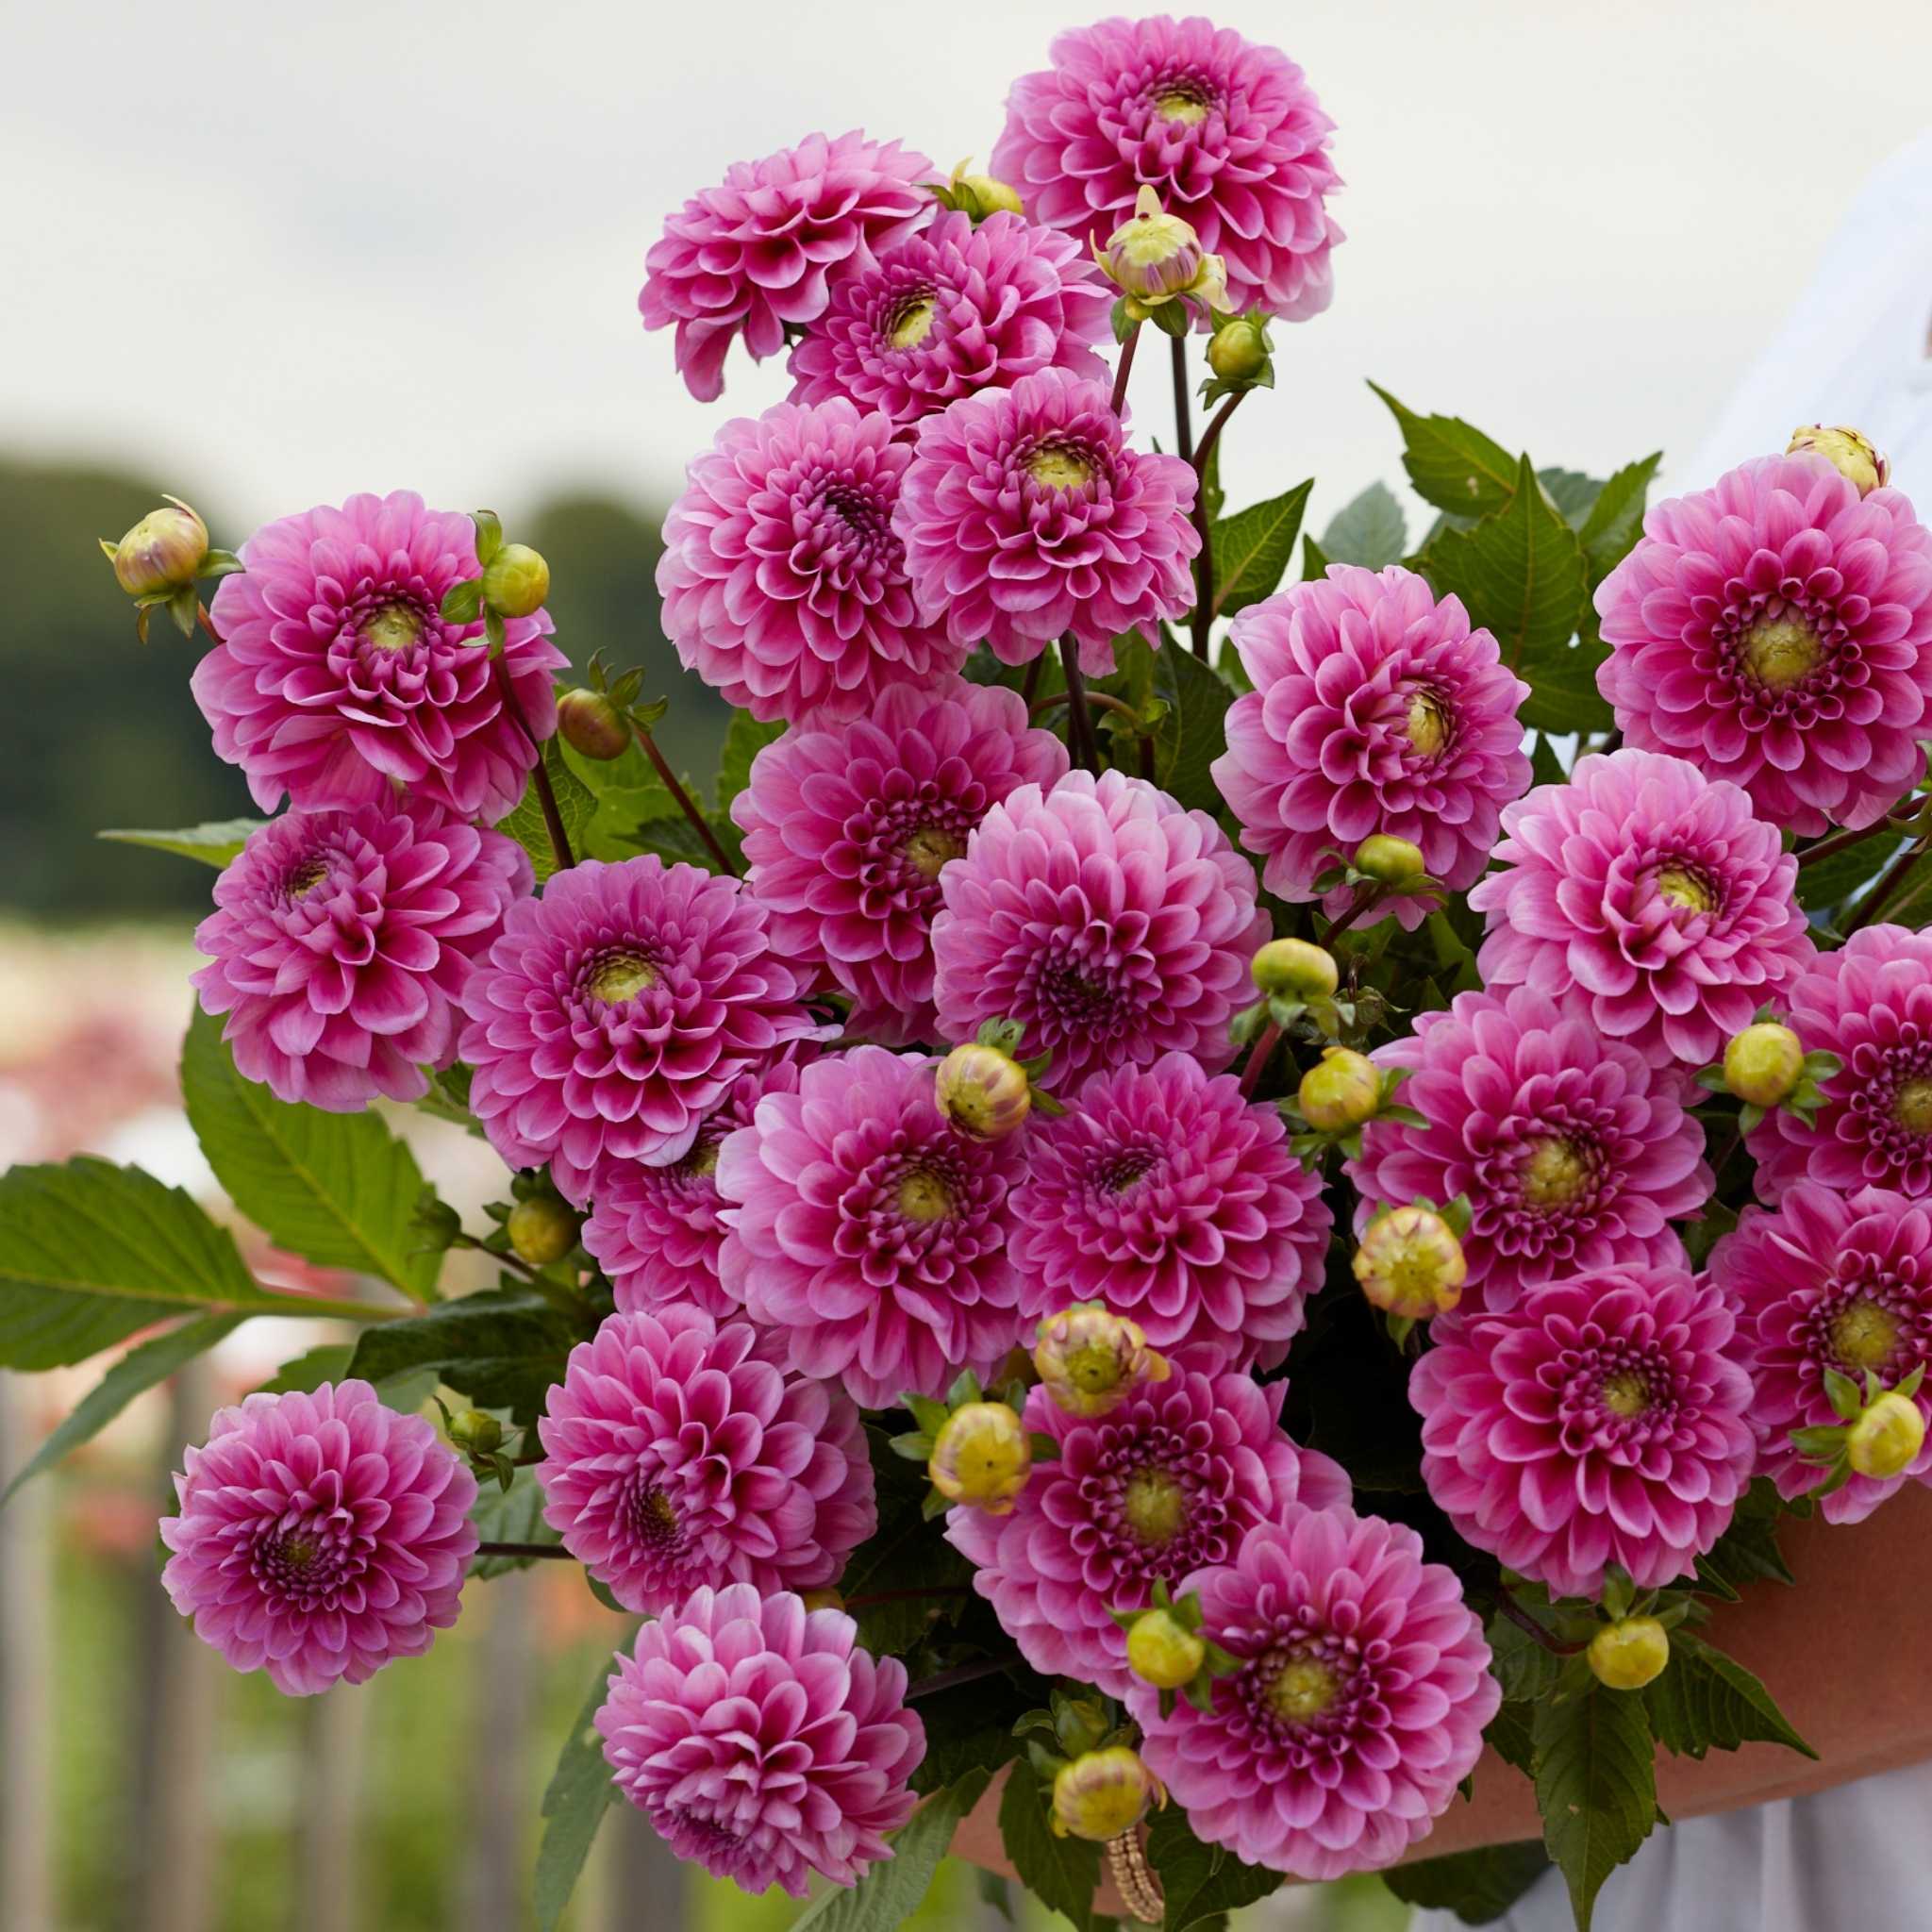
x,y
702,1160
1554,1174
1912,1109
1626,1392
621,977
394,627
1056,467
1302,1688
913,325
1863,1334
1685,888
298,1553
922,1196
307,876
1779,651
1154,1506
929,849
1428,729
1178,103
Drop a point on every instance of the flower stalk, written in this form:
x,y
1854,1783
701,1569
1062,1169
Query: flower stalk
x,y
683,800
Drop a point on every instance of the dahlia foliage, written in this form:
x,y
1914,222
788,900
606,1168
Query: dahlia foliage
x,y
1196,1186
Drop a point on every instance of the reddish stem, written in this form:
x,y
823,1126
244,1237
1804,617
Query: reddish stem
x,y
1126,362
684,801
1262,1052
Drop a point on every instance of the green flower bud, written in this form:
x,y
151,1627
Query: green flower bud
x,y
1764,1063
1297,967
1847,450
542,1230
1163,1652
591,725
983,1457
164,551
976,197
475,1433
1411,1264
1238,350
516,581
1103,1793
1154,257
1390,862
1090,1361
1630,1654
984,1092
1340,1091
1885,1439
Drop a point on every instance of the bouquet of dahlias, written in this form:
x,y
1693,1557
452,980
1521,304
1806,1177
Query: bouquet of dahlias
x,y
1188,1195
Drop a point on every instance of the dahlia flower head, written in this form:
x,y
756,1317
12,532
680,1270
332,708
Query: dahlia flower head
x,y
320,1535
1227,133
1374,709
868,1232
783,579
1575,1153
1653,890
1111,922
680,1451
337,673
1358,1707
1173,1480
1777,630
1025,518
848,826
761,1740
612,1015
1871,1004
1830,1280
954,309
1168,1195
1602,1419
761,250
341,943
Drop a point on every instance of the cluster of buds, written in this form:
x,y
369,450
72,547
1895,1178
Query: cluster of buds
x,y
1880,1434
598,720
1157,262
1766,1067
1299,984
1238,355
976,196
1338,1096
1848,453
1090,1361
536,1224
1165,1648
476,1434
985,1091
1100,1787
977,1452
1411,1264
162,559
514,583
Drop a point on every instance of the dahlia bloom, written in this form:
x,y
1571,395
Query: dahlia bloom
x,y
612,1015
320,1535
761,1741
1777,630
951,310
1166,1194
1575,1153
760,250
1376,710
1651,889
847,828
1871,1004
1602,1419
1829,1281
1026,516
341,943
337,672
1358,1709
1174,1479
784,584
1113,924
1229,135
678,1452
868,1231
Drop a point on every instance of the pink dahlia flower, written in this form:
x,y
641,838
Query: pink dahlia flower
x,y
1777,630
337,673
655,1231
1375,709
1175,1478
1165,1195
1358,1709
1575,1153
612,1015
1113,924
848,826
341,943
1653,890
1600,1420
321,1535
1829,1281
784,585
760,252
1228,134
1026,516
761,1740
868,1231
1871,1004
951,310
678,1452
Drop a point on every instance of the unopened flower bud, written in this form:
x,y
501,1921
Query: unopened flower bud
x,y
982,1456
976,197
1629,1654
516,581
165,550
1340,1091
1153,256
1390,862
1238,350
984,1092
1411,1264
1103,1793
1163,1652
1089,1360
822,1599
1296,968
542,1230
1847,450
1886,1438
591,725
475,1433
1764,1063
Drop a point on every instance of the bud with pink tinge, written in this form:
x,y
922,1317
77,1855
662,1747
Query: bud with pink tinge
x,y
1103,1793
1091,1360
1410,1263
162,552
1154,257
592,725
982,1456
984,1092
1847,450
1342,1089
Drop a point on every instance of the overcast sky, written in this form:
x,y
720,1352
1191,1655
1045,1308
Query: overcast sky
x,y
274,253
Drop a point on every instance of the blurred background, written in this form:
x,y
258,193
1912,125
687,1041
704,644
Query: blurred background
x,y
262,257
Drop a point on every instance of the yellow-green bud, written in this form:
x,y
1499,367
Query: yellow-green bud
x,y
1103,1793
1390,862
1154,257
475,1433
1630,1654
591,725
516,581
165,550
1295,967
1411,1264
1885,1439
1848,453
542,1230
1089,1360
976,197
1238,350
822,1599
984,1092
1340,1091
1764,1063
982,1456
1163,1652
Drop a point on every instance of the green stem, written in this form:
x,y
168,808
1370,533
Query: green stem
x,y
684,801
1126,362
546,798
966,1673
1366,899
1844,842
1204,564
1519,1617
1183,408
1081,739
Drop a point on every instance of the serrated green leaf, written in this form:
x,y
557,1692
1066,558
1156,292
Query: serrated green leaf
x,y
514,1515
1454,466
1563,696
1525,1668
1370,530
504,1348
1707,1699
1508,1736
1194,731
1546,768
743,740
1477,1887
1252,549
574,1800
1063,1872
576,805
1616,518
675,840
218,844
1574,493
1200,1881
1314,561
1596,1781
889,1892
312,1369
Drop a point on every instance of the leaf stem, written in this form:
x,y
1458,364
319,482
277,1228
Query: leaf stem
x,y
1844,842
1888,883
546,798
1203,527
1258,1057
683,800
965,1673
1081,739
1126,362
1519,1616
1366,899
551,1550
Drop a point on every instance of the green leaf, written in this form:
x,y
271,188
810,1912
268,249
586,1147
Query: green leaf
x,y
504,1348
136,1371
337,1188
889,1893
1706,1699
1596,1781
743,741
1193,733
1508,1736
217,843
1478,1887
1453,466
1370,530
489,537
1546,768
1563,697
1200,1881
312,1369
1831,881
1063,1872
574,1800
675,840
1526,1670
514,1515
1616,518
1748,1552
576,805
1314,561
1252,549
462,602
1574,493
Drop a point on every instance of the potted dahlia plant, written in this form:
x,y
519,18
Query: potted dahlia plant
x,y
1221,1166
